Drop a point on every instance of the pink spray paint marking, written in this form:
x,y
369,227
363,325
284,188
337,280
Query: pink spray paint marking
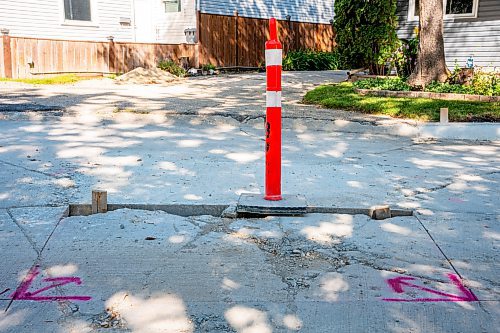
x,y
398,284
22,292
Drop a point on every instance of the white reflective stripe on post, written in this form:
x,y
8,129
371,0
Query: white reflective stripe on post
x,y
273,99
274,57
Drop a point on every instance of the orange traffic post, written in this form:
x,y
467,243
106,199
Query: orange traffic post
x,y
274,55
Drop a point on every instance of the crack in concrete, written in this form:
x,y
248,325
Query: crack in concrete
x,y
33,170
439,247
25,233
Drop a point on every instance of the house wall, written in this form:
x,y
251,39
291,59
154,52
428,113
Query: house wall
x,y
313,11
170,26
45,19
479,36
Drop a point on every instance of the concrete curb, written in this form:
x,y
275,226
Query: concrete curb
x,y
425,94
460,131
186,210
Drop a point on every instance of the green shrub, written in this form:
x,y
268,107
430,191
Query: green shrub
x,y
405,57
366,33
448,88
172,67
208,67
482,83
487,84
395,84
309,60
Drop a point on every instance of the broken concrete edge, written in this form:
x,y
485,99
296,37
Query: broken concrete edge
x,y
371,212
183,210
226,211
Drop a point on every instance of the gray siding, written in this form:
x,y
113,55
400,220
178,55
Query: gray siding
x,y
314,11
479,36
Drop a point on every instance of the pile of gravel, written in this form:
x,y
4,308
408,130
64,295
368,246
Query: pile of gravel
x,y
142,75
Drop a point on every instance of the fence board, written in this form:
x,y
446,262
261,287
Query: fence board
x,y
239,41
51,56
2,71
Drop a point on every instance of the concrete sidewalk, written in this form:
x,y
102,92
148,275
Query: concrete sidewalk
x,y
153,272
138,271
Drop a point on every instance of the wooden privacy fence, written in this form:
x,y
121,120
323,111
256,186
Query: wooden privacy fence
x,y
227,41
24,57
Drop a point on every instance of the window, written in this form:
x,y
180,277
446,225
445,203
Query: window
x,y
172,6
77,10
459,7
452,8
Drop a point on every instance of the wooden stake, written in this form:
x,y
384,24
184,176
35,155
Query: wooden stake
x,y
99,201
443,116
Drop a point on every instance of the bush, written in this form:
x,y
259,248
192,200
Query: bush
x,y
208,67
482,83
309,60
405,58
366,33
396,84
172,67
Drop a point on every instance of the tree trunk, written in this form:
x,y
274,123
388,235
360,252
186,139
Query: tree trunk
x,y
431,63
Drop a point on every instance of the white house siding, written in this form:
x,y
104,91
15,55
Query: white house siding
x,y
479,36
314,11
45,19
170,26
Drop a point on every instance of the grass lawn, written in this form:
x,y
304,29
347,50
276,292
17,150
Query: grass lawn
x,y
59,79
343,96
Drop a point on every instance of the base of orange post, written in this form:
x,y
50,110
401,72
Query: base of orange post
x,y
256,204
273,197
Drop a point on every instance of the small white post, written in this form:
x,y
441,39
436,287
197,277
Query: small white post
x,y
443,116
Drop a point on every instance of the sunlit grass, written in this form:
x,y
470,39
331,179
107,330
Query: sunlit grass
x,y
343,96
59,79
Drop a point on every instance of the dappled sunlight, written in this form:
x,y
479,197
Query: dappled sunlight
x,y
171,166
292,322
245,158
218,151
61,270
396,229
248,320
160,313
354,184
330,232
495,236
337,152
178,239
11,319
228,284
431,164
193,197
83,152
331,286
189,143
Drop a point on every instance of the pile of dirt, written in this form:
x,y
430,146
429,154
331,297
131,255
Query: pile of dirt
x,y
142,75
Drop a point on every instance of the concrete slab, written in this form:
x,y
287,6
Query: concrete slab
x,y
471,242
191,261
151,272
256,204
17,255
28,317
38,222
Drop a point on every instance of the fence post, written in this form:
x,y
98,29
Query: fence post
x,y
274,56
7,53
237,39
112,55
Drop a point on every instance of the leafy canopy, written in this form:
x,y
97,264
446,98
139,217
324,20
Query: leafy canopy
x,y
366,32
